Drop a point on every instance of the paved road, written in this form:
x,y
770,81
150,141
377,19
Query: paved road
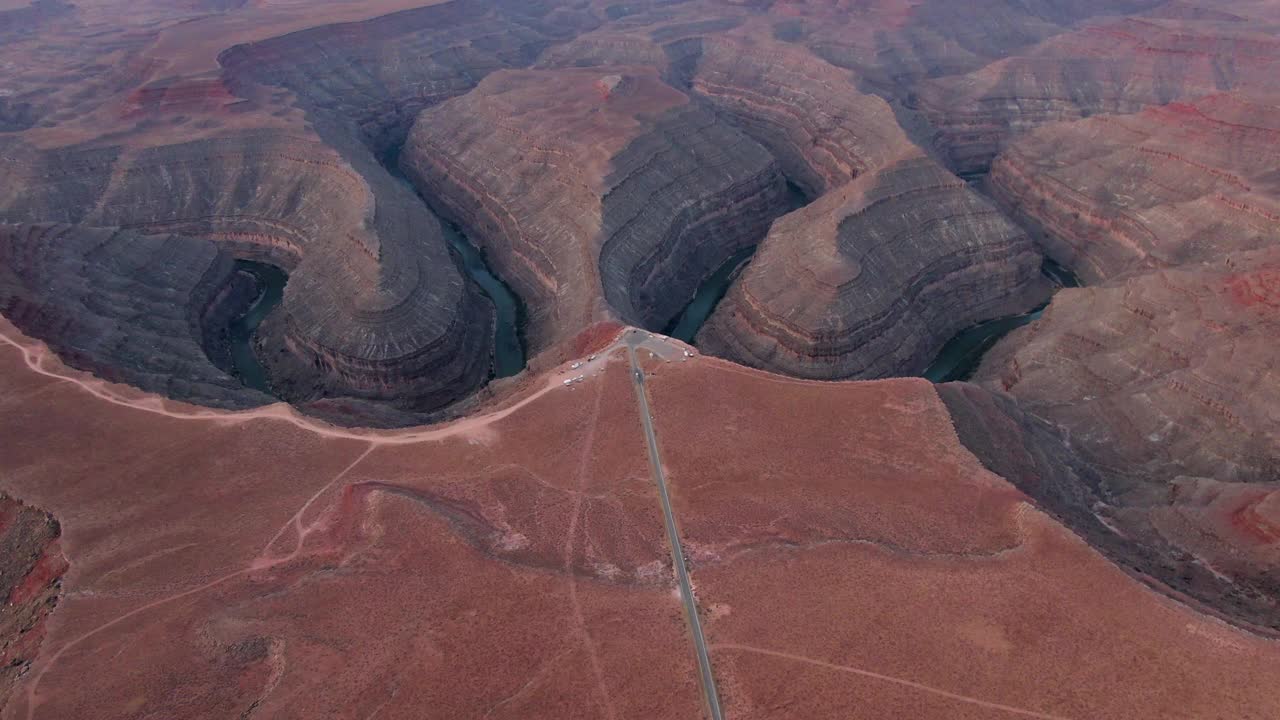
x,y
673,535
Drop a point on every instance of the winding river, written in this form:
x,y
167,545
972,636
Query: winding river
x,y
271,281
685,325
508,350
962,354
709,294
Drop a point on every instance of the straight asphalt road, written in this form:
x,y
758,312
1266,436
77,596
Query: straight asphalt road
x,y
673,535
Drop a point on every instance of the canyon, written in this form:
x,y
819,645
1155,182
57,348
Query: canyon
x,y
567,358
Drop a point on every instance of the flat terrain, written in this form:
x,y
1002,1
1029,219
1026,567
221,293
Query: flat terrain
x,y
512,566
848,558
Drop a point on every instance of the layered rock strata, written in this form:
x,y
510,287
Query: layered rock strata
x,y
375,306
130,308
1212,543
1182,183
1115,67
805,111
1160,375
375,76
594,192
893,45
871,279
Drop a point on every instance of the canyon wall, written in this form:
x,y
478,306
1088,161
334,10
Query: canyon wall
x,y
1212,544
873,278
128,307
594,192
374,307
1159,376
1183,183
805,111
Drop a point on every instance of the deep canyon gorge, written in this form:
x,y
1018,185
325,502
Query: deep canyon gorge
x,y
336,379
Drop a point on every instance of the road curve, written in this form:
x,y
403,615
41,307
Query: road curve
x,y
634,338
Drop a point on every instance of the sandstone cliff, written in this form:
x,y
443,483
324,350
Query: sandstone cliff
x,y
1170,185
805,111
1212,543
129,308
1159,375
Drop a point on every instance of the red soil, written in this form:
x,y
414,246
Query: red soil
x,y
850,559
1256,288
223,564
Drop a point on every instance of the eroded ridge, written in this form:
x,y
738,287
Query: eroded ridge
x,y
871,279
1111,66
597,192
374,307
1163,384
1174,185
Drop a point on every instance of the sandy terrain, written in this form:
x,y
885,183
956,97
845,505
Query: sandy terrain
x,y
503,567
853,561
850,559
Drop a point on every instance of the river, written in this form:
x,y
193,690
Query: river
x,y
962,354
271,281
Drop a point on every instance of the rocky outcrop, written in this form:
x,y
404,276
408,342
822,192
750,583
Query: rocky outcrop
x,y
594,203
871,279
1161,375
1158,377
1211,543
31,569
1115,67
1178,184
805,111
375,307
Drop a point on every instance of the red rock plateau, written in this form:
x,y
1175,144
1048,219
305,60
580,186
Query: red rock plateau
x,y
233,491
514,563
1166,382
1179,184
1162,376
1115,66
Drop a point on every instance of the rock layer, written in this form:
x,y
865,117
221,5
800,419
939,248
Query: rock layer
x,y
1161,375
130,308
871,279
594,186
1113,67
804,110
1178,184
374,308
1211,543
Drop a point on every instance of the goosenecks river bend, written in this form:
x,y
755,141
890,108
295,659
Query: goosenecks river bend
x,y
958,359
962,354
